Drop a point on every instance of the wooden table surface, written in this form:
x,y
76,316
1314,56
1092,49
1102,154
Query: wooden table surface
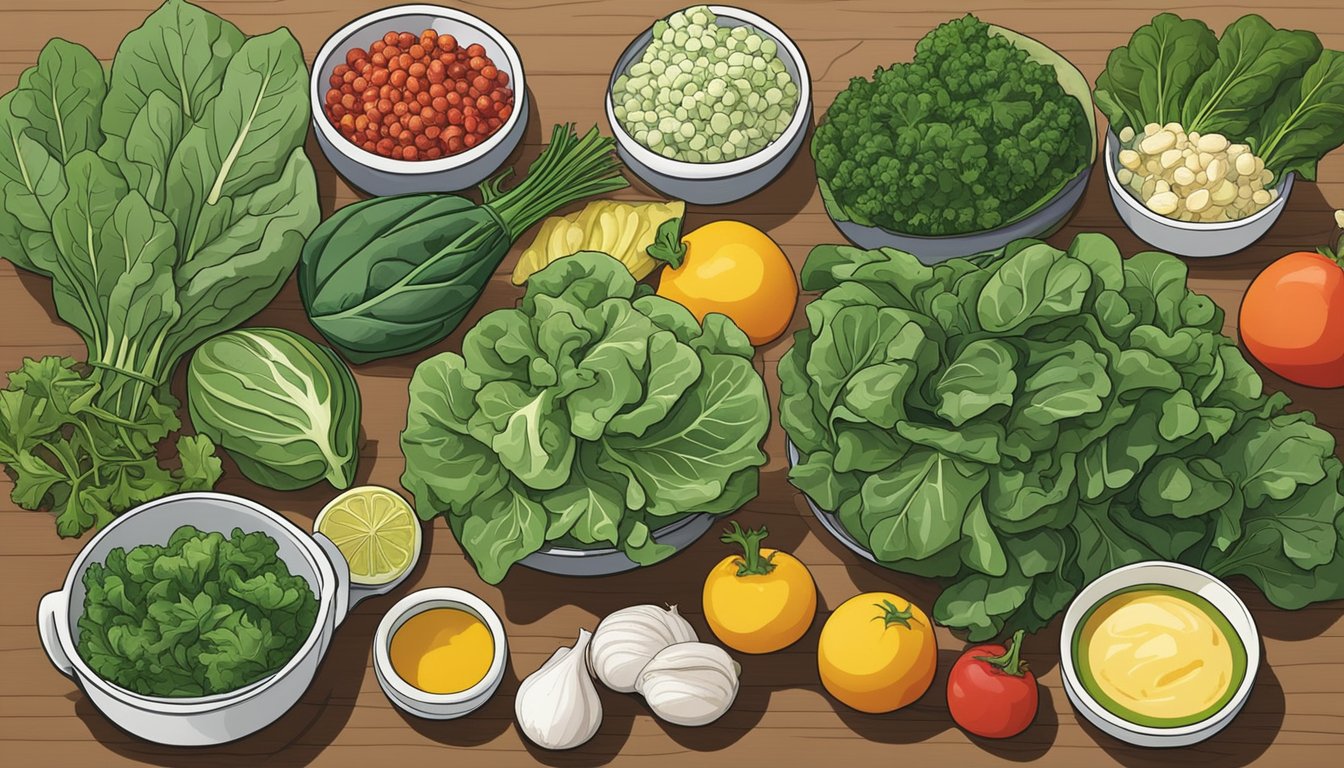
x,y
1294,717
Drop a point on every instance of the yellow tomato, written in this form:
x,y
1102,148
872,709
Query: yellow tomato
x,y
877,652
737,270
761,601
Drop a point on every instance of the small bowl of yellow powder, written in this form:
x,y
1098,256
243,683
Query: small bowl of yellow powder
x,y
440,653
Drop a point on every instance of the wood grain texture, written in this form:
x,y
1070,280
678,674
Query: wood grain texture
x,y
1295,716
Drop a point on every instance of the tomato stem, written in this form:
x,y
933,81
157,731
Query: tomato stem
x,y
1010,663
893,615
667,245
1335,254
751,563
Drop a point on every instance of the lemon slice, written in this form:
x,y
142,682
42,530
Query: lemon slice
x,y
375,529
619,229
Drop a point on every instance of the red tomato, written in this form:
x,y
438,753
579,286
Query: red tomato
x,y
1292,319
990,692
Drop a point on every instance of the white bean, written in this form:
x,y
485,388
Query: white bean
x,y
1162,203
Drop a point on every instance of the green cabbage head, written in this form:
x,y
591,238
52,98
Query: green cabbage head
x,y
286,409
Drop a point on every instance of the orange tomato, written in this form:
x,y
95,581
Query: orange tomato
x,y
877,653
760,601
1292,319
736,270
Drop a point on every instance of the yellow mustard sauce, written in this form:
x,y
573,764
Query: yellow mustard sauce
x,y
1159,656
442,650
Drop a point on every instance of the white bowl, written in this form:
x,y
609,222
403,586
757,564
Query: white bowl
x,y
1172,575
380,175
431,705
717,183
1188,238
204,720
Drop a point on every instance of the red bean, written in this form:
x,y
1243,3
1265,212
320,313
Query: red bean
x,y
447,43
475,49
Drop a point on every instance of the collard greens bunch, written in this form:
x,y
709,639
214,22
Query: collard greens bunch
x,y
201,615
167,199
1024,422
592,414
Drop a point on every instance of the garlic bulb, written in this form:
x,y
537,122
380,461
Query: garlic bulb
x,y
690,683
627,639
557,706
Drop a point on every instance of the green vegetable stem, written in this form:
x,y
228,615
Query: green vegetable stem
x,y
167,200
751,564
1010,663
391,275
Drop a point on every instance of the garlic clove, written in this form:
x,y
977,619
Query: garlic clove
x,y
557,706
690,683
628,639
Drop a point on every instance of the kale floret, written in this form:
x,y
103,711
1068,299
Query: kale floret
x,y
963,138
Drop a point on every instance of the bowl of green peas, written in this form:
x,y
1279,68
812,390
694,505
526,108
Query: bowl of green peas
x,y
710,104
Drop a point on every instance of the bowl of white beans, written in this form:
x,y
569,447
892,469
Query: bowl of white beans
x,y
710,104
1191,198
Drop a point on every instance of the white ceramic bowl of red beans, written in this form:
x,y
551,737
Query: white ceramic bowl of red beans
x,y
458,81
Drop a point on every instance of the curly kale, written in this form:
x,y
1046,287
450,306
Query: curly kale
x,y
964,138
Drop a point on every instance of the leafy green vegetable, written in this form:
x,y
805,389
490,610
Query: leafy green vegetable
x,y
1254,61
391,275
1147,80
592,414
201,615
167,202
973,134
1274,89
286,409
1021,423
1307,115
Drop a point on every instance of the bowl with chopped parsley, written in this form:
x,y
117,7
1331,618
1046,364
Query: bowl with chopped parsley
x,y
986,136
196,619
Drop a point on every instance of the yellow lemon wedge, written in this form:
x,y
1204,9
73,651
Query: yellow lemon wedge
x,y
623,230
376,530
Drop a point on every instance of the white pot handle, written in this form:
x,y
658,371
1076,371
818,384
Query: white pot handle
x,y
342,569
50,610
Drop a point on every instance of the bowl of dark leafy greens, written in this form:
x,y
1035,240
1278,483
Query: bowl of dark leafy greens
x,y
987,136
196,619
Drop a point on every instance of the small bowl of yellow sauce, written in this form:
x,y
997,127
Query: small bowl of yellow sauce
x,y
440,653
1159,654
